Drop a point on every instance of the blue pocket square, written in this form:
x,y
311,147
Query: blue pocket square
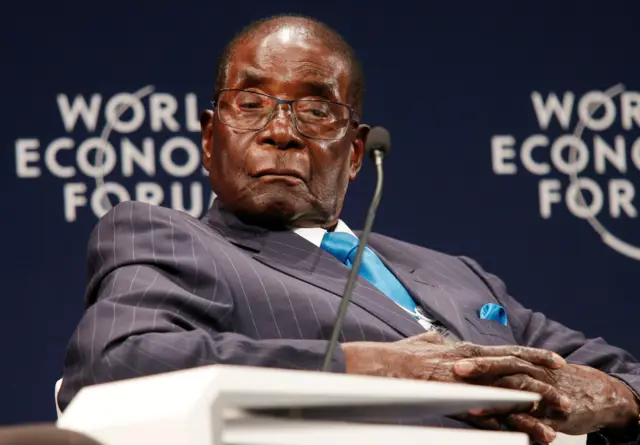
x,y
495,312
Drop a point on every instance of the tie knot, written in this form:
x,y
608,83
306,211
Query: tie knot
x,y
342,245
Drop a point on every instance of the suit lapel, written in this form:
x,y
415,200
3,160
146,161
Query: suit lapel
x,y
293,255
432,298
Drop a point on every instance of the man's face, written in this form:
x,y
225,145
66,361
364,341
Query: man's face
x,y
276,175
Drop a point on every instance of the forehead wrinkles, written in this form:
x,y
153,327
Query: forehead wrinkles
x,y
289,65
310,51
290,71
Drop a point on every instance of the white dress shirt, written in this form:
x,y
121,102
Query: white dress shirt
x,y
315,234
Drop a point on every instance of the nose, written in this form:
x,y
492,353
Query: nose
x,y
281,132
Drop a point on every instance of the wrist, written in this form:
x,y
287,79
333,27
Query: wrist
x,y
625,426
628,413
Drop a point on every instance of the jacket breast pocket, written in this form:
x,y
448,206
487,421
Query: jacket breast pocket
x,y
490,332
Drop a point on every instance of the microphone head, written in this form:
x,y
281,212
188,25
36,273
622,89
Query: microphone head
x,y
379,140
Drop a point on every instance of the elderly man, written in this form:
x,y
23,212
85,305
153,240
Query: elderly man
x,y
257,281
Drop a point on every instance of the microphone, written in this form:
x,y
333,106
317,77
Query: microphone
x,y
377,147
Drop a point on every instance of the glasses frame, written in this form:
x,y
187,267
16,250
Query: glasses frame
x,y
353,115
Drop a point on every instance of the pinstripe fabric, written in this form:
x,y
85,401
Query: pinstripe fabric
x,y
167,291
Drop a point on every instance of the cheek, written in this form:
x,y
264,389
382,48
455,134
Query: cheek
x,y
332,169
229,156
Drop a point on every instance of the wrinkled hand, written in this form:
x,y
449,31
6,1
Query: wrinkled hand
x,y
426,357
597,401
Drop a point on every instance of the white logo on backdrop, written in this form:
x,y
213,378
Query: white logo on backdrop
x,y
612,156
85,158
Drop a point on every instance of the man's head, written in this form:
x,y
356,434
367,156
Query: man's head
x,y
290,167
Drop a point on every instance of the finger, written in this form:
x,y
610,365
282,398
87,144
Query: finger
x,y
535,428
553,400
480,422
535,356
491,367
501,411
553,403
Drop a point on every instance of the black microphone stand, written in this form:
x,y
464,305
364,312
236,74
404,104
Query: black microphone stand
x,y
378,156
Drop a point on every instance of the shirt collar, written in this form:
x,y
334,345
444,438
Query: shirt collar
x,y
315,234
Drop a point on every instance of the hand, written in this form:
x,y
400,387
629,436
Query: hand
x,y
426,357
597,401
553,401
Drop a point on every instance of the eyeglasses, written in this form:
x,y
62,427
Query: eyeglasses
x,y
314,118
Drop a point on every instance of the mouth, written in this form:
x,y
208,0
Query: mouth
x,y
292,176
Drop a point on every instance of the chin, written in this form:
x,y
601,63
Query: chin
x,y
285,209
271,211
275,206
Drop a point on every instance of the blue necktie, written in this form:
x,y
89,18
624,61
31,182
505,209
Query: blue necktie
x,y
344,247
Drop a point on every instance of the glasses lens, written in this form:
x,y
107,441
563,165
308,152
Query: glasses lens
x,y
248,110
244,109
320,119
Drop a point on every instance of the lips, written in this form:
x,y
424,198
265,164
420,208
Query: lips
x,y
280,172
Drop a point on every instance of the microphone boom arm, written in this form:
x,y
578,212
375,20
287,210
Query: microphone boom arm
x,y
377,155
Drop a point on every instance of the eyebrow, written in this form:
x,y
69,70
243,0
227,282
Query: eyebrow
x,y
320,89
308,87
249,78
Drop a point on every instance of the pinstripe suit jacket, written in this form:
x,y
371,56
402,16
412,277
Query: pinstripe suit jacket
x,y
167,291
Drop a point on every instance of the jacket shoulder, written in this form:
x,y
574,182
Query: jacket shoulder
x,y
135,215
143,211
131,228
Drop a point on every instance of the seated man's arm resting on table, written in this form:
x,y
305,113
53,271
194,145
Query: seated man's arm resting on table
x,y
151,310
602,380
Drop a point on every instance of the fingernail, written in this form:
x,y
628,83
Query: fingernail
x,y
565,403
463,367
478,412
559,361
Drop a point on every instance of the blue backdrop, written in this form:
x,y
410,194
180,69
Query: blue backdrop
x,y
484,101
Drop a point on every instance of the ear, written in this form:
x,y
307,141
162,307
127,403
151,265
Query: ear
x,y
206,128
357,150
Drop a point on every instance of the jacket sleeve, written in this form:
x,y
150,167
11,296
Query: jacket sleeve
x,y
153,308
